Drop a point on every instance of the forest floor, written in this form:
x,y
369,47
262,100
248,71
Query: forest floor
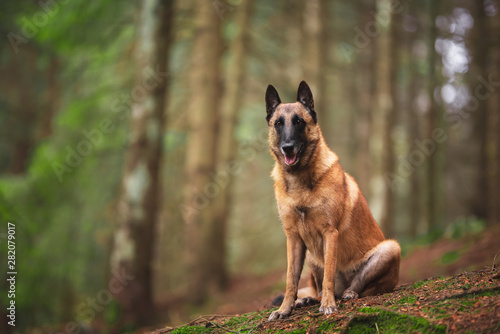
x,y
463,303
466,301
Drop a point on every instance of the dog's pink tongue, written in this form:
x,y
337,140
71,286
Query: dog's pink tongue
x,y
290,159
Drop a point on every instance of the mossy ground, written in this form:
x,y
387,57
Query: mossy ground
x,y
465,303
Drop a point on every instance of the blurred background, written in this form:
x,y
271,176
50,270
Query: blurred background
x,y
133,146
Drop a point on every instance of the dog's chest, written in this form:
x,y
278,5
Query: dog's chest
x,y
310,227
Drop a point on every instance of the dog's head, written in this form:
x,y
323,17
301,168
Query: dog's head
x,y
293,127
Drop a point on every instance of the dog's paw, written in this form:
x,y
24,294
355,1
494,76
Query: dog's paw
x,y
306,301
328,309
349,294
328,305
276,315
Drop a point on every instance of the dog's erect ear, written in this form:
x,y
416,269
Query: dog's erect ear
x,y
305,96
272,101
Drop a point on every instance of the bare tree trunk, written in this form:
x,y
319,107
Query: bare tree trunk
x,y
231,104
132,252
202,187
383,105
493,149
53,98
366,84
480,68
412,126
390,115
313,50
432,118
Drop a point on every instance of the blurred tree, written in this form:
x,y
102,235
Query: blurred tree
x,y
390,115
433,192
202,187
31,109
493,145
412,120
382,181
138,206
364,98
226,141
479,50
313,47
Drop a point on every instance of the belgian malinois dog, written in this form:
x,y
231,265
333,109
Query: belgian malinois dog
x,y
324,214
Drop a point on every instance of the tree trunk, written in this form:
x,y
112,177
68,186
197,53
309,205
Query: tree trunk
x,y
432,185
313,50
493,145
390,115
134,240
202,186
231,104
383,103
366,85
480,68
52,99
413,126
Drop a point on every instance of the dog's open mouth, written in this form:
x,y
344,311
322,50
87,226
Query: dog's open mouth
x,y
291,159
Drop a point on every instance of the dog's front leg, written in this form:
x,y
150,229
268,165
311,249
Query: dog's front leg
x,y
330,239
295,252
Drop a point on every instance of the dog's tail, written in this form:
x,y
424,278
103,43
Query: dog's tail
x,y
278,300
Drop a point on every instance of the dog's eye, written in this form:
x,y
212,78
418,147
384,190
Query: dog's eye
x,y
299,122
278,123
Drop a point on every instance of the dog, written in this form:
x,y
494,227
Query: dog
x,y
325,216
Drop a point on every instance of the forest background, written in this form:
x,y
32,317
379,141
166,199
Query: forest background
x,y
133,143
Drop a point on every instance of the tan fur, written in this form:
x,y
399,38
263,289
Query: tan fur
x,y
324,212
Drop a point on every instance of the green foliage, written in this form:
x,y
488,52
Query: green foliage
x,y
63,227
434,234
464,226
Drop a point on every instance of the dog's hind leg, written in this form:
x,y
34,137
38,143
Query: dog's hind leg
x,y
379,273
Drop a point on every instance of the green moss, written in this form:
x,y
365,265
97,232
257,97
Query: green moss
x,y
235,321
445,284
191,329
407,300
468,303
487,293
388,322
368,310
438,312
417,285
327,326
295,331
